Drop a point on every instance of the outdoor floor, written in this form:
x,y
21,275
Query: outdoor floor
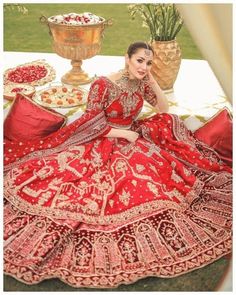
x,y
208,278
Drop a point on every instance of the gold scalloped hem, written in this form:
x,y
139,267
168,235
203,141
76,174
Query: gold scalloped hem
x,y
27,276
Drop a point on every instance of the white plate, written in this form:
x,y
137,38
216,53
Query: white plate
x,y
61,96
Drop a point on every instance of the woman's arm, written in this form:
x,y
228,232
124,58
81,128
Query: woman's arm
x,y
162,102
123,133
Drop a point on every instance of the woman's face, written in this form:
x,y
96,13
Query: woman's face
x,y
140,63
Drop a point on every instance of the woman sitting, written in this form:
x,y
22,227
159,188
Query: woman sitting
x,y
110,199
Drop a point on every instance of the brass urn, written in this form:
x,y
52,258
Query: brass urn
x,y
166,62
76,42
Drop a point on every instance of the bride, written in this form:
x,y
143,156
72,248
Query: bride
x,y
110,199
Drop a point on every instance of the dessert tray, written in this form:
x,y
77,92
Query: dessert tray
x,y
10,90
35,73
61,96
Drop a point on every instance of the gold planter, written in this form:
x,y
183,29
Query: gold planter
x,y
76,42
166,62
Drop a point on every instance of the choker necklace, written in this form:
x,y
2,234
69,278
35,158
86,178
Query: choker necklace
x,y
127,84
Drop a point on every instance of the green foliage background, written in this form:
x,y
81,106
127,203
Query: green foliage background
x,y
25,32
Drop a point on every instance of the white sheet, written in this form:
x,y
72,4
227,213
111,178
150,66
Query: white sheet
x,y
196,96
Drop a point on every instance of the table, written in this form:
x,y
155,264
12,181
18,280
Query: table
x,y
196,95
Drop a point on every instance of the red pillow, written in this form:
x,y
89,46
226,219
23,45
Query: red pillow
x,y
217,133
28,120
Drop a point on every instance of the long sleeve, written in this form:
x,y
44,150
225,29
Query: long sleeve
x,y
149,94
97,95
96,104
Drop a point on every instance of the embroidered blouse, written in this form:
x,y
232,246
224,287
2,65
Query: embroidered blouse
x,y
121,103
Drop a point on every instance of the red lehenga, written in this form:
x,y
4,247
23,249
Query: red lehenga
x,y
95,211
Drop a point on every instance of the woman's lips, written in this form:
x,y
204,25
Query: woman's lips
x,y
141,73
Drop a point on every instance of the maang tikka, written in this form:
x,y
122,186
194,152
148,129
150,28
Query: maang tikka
x,y
147,51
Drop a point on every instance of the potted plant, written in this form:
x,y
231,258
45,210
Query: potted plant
x,y
164,23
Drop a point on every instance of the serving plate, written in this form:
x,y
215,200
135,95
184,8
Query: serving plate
x,y
11,89
61,96
35,73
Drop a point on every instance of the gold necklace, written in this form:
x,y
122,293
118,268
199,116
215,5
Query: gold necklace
x,y
127,84
128,99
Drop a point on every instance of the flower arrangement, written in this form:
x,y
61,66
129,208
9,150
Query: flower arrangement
x,y
86,18
163,20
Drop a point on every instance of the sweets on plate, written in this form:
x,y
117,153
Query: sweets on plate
x,y
61,96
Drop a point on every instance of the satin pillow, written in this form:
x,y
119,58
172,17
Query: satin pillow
x,y
217,133
27,120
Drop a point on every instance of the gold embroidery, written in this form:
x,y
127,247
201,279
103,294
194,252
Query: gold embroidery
x,y
129,103
64,162
31,192
128,85
186,171
121,166
41,174
153,188
153,168
111,203
140,168
89,257
84,133
134,182
124,197
125,90
176,193
82,253
45,197
176,177
113,114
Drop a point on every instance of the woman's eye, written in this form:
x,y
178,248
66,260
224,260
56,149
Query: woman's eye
x,y
149,63
140,60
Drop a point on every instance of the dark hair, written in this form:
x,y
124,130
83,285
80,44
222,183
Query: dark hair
x,y
134,47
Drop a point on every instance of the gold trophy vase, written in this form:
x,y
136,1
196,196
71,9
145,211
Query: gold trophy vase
x,y
76,42
166,63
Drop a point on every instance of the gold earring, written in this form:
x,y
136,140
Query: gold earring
x,y
126,71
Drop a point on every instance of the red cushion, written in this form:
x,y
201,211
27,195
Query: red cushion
x,y
217,133
28,120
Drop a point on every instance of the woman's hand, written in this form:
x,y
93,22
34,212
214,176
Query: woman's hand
x,y
150,78
123,133
131,136
162,101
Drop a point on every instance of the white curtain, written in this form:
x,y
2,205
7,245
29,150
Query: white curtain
x,y
210,26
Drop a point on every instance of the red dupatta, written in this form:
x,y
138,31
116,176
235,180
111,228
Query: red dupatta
x,y
90,125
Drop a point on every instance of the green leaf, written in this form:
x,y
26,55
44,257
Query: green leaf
x,y
163,20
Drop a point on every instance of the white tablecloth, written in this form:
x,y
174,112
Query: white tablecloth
x,y
196,96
